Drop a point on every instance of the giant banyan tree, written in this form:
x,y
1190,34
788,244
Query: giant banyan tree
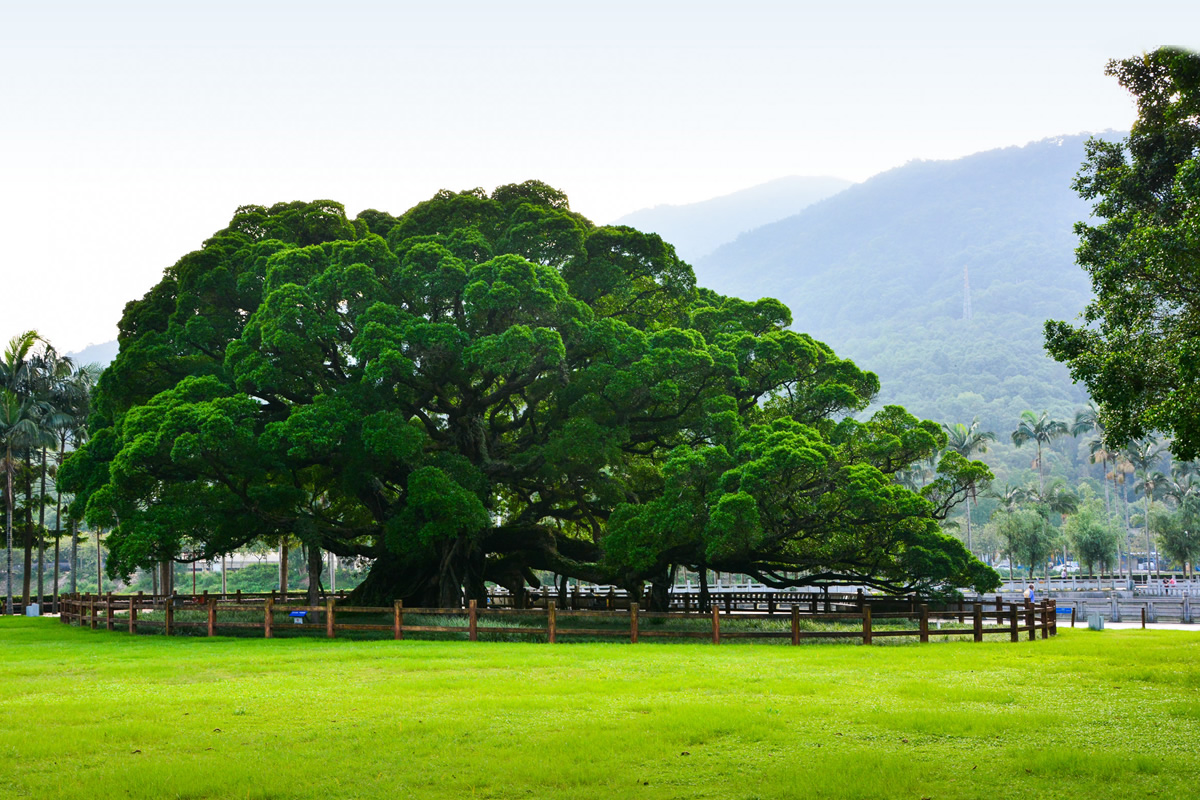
x,y
489,386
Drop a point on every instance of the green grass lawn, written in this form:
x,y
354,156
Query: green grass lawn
x,y
105,715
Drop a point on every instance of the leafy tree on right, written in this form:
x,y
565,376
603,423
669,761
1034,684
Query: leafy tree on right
x,y
1138,347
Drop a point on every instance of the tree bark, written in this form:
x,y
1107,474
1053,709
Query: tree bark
x,y
8,531
41,593
283,566
74,557
316,563
25,579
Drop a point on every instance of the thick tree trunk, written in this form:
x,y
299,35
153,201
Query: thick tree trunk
x,y
392,579
283,567
704,597
316,564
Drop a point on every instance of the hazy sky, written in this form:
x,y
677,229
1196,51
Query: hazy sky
x,y
130,131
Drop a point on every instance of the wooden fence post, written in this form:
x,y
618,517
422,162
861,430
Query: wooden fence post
x,y
813,610
978,622
238,597
924,623
795,624
330,616
1143,617
1013,627
269,616
859,599
1045,619
108,612
1031,620
212,616
398,620
716,624
473,620
633,623
999,609
133,609
1053,618
92,601
552,621
866,622
1073,616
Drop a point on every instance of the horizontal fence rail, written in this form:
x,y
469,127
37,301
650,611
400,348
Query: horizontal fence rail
x,y
272,616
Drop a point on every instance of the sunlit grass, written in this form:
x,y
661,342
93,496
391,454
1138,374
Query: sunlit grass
x,y
96,714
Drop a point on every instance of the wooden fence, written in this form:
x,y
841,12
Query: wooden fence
x,y
128,613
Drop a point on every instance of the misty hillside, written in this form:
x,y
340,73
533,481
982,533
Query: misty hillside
x,y
101,354
696,229
876,271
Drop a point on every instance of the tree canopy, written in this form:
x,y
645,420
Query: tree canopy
x,y
1138,349
489,385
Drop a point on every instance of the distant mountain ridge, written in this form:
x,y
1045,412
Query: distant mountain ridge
x,y
102,354
695,229
876,271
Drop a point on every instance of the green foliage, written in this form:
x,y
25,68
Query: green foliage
x,y
499,387
1026,536
1093,535
1139,345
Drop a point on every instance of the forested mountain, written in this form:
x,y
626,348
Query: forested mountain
x,y
877,272
696,229
101,354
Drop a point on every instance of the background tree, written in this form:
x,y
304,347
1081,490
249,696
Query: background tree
x,y
1139,342
1025,537
1041,430
967,440
1093,536
18,429
1144,456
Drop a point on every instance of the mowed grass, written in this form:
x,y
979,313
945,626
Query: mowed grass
x,y
105,715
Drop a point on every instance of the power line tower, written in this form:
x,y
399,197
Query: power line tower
x,y
966,295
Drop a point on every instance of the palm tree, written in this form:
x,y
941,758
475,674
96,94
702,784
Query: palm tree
x,y
18,427
72,400
22,413
1041,430
1143,455
966,440
1183,488
1087,420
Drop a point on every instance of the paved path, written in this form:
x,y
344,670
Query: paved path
x,y
1150,626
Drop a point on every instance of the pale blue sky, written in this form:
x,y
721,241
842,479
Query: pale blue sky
x,y
129,131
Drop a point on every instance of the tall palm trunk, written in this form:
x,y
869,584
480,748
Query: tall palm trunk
x,y
74,557
1104,466
8,529
25,579
1148,541
57,539
41,586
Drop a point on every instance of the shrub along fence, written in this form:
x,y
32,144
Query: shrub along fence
x,y
873,619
